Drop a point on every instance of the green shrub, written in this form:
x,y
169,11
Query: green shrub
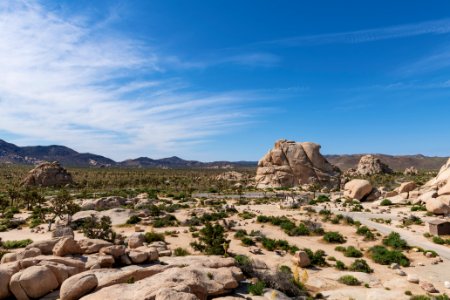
x,y
438,240
334,237
240,233
384,256
395,241
340,265
285,269
317,258
180,252
152,236
418,208
360,265
386,202
246,241
352,252
166,221
16,244
211,240
349,280
257,289
247,215
133,220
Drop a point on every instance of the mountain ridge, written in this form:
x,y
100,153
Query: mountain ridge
x,y
30,155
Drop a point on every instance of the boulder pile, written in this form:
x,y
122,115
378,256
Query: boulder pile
x,y
369,165
291,164
96,269
48,174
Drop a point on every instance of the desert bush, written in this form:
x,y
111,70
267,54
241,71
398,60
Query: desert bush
x,y
395,241
386,202
340,265
180,252
418,207
94,229
352,252
152,236
14,244
166,221
240,233
247,215
384,256
317,258
257,289
246,241
133,220
211,240
360,265
334,237
349,280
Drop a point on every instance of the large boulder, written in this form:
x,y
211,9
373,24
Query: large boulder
x,y
15,256
357,189
46,246
89,246
136,240
48,174
371,165
406,187
6,271
441,179
291,164
33,282
77,286
437,206
66,246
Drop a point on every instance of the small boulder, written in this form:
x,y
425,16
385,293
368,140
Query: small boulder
x,y
66,246
33,282
77,286
45,246
437,207
138,257
413,278
115,251
301,259
407,187
357,189
136,240
428,287
89,246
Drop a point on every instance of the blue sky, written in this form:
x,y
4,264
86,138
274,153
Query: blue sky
x,y
222,80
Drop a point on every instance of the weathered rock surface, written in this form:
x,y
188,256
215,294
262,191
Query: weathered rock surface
x,y
437,206
411,171
66,246
357,189
301,259
406,187
103,203
291,164
369,165
6,271
45,246
33,282
27,253
48,174
77,286
230,176
136,240
89,246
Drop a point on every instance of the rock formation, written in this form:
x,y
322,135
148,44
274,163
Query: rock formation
x,y
230,176
411,171
81,274
291,164
369,165
48,174
357,189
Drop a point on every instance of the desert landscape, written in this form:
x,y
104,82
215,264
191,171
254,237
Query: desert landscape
x,y
294,227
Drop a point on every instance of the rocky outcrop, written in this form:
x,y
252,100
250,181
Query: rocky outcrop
x,y
369,165
357,189
103,203
230,176
291,164
48,174
411,171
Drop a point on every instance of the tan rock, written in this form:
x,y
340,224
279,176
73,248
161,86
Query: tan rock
x,y
45,246
77,286
138,257
115,251
6,271
136,240
66,246
48,174
436,206
407,187
428,287
371,165
291,164
89,246
357,189
33,282
445,189
301,259
27,253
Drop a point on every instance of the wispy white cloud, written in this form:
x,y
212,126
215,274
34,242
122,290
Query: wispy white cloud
x,y
364,36
70,81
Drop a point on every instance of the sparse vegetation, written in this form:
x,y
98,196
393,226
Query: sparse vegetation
x,y
349,280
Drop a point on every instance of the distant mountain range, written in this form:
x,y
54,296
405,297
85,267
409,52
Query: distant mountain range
x,y
31,155
396,162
